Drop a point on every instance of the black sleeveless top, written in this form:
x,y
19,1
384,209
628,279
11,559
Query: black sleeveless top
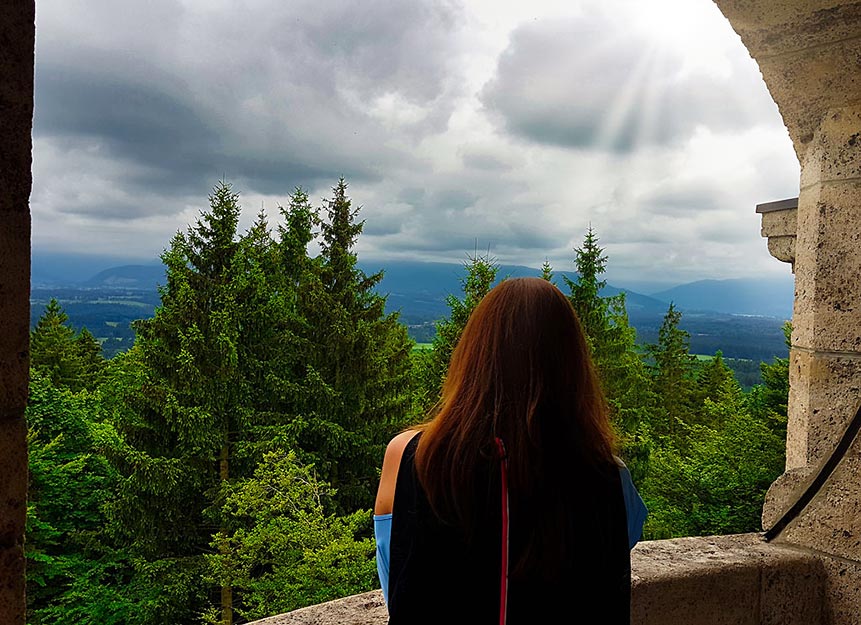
x,y
436,575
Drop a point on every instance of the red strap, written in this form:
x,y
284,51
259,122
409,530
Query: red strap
x,y
503,577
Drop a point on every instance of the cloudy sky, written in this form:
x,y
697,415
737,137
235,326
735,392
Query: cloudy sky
x,y
458,124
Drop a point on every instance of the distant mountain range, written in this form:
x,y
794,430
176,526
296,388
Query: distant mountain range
x,y
419,289
743,317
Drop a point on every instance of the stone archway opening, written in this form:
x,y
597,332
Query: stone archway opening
x,y
809,52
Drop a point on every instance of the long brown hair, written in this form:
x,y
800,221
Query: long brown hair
x,y
521,371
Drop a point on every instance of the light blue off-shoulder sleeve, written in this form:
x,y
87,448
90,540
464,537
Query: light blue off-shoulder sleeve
x,y
634,506
383,537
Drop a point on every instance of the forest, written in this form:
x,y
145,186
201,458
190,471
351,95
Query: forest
x,y
223,468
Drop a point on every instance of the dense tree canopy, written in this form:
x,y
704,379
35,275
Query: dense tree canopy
x,y
223,469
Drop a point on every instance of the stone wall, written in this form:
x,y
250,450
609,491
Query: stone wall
x,y
17,33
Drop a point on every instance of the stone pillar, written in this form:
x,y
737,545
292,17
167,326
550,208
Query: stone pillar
x,y
17,36
809,52
825,359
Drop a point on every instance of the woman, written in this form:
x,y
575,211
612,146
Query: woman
x,y
509,505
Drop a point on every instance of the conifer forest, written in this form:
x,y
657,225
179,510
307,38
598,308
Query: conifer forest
x,y
224,468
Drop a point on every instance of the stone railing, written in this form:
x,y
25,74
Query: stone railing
x,y
718,580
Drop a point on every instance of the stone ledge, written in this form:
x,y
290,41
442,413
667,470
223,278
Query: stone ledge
x,y
717,580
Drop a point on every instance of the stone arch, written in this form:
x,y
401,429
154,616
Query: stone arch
x,y
809,52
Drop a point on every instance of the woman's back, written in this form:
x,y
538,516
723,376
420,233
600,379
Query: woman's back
x,y
433,559
521,376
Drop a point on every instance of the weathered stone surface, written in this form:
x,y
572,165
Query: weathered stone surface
x,y
782,248
807,85
13,482
365,609
776,27
780,223
722,580
825,389
827,309
784,492
831,523
17,39
14,312
834,154
842,591
12,585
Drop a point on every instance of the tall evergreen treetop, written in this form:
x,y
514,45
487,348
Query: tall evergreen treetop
x,y
300,219
69,360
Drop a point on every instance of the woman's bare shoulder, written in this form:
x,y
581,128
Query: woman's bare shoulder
x,y
389,475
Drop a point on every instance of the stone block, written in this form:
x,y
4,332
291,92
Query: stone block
x,y
780,223
825,389
827,309
831,522
842,591
782,248
834,153
773,27
808,84
783,493
368,608
13,482
14,312
792,591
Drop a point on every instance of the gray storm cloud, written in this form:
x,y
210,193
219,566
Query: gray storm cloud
x,y
593,82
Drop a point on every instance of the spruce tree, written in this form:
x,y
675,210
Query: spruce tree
x,y
672,369
481,272
612,341
72,361
547,272
187,405
356,383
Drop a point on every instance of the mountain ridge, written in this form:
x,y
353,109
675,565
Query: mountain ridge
x,y
418,287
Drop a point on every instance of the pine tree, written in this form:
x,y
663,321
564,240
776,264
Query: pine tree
x,y
481,272
673,375
190,405
69,360
356,382
714,380
612,341
547,272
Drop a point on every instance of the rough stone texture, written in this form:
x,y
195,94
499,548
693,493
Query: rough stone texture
x,y
727,580
780,227
808,84
825,389
831,523
784,492
834,154
808,52
17,39
718,580
827,310
780,223
842,594
365,609
783,249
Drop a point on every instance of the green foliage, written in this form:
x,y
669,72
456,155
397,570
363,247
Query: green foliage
x,y
282,551
481,271
234,450
613,345
69,360
672,369
71,568
353,376
719,484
